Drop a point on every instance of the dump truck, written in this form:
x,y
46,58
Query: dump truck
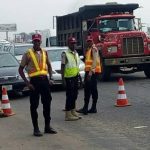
x,y
123,46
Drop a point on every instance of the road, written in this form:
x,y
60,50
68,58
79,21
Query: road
x,y
112,128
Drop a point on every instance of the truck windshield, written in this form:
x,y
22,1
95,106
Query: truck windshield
x,y
108,25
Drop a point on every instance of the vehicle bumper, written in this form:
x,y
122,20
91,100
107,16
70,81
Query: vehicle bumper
x,y
57,79
15,87
127,61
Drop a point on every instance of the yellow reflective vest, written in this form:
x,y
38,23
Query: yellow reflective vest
x,y
40,68
72,66
89,61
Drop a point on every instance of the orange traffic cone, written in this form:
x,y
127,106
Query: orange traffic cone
x,y
1,111
7,111
122,100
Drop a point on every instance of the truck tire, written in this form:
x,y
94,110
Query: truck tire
x,y
106,71
147,72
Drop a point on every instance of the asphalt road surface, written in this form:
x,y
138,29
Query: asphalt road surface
x,y
112,128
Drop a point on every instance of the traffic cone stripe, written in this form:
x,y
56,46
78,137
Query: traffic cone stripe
x,y
121,88
121,92
5,106
8,112
122,96
5,101
121,82
1,111
4,97
121,102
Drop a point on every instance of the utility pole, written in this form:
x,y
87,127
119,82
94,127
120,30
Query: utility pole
x,y
54,21
7,35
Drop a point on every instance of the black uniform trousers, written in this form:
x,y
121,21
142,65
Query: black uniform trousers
x,y
71,92
42,88
90,88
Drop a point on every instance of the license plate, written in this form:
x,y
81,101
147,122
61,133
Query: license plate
x,y
8,87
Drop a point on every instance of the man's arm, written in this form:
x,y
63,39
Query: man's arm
x,y
49,66
63,62
94,55
21,72
24,62
62,70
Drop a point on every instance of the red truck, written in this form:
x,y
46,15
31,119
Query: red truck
x,y
123,47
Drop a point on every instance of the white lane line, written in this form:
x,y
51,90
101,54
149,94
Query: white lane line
x,y
139,127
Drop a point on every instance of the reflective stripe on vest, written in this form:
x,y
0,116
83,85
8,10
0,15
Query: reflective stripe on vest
x,y
40,69
89,61
72,66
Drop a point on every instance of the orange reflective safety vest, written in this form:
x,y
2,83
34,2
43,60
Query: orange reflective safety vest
x,y
40,68
89,61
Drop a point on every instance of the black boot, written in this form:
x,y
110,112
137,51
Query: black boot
x,y
93,109
37,132
83,110
50,130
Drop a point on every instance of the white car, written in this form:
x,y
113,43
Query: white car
x,y
20,49
54,54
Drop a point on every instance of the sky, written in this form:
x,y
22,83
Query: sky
x,y
31,15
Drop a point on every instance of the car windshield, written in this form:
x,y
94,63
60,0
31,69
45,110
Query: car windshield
x,y
7,60
55,55
21,49
6,47
108,25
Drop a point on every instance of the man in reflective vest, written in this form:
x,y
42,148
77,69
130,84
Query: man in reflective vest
x,y
38,66
70,71
92,69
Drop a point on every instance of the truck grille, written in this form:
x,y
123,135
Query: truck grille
x,y
133,46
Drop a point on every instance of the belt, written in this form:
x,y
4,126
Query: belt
x,y
39,77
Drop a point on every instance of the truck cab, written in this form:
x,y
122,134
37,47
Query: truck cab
x,y
122,46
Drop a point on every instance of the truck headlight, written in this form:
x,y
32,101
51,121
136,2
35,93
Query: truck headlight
x,y
112,49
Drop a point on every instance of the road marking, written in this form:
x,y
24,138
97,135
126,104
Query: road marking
x,y
139,127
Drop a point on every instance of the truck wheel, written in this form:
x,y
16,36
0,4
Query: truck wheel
x,y
106,72
147,72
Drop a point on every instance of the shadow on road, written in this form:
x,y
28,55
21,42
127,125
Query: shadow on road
x,y
127,77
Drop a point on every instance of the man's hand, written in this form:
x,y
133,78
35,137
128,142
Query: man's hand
x,y
80,80
30,86
51,82
89,75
